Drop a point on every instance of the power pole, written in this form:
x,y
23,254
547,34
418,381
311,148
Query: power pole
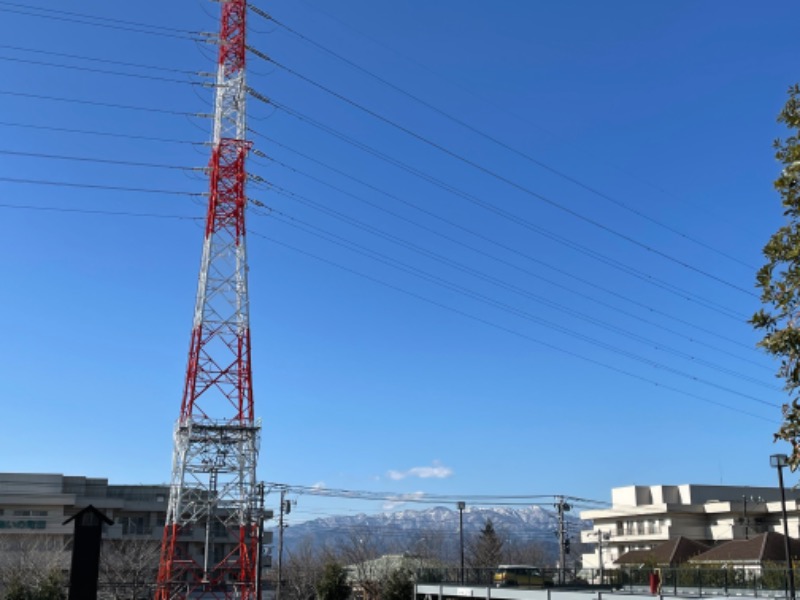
x,y
600,537
261,515
286,508
213,485
563,541
746,520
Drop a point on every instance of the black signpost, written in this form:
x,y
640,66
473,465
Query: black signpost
x,y
86,553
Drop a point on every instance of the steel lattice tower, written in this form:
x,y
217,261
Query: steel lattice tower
x,y
210,544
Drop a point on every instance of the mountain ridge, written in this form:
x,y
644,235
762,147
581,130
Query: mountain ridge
x,y
418,531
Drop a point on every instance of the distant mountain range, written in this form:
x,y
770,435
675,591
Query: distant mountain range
x,y
431,530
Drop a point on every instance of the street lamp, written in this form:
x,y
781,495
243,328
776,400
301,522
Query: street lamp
x,y
461,506
779,461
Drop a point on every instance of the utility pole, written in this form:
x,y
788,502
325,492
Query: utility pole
x,y
600,537
461,506
286,508
563,540
746,520
259,565
213,484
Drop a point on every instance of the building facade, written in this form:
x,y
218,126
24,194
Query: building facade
x,y
38,504
642,517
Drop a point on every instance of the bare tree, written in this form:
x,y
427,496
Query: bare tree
x,y
128,568
433,544
525,552
302,571
32,561
359,551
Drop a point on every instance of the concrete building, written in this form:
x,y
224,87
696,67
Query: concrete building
x,y
38,504
642,517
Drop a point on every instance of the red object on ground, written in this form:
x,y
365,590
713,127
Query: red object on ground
x,y
655,583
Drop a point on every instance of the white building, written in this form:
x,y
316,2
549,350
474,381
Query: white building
x,y
641,517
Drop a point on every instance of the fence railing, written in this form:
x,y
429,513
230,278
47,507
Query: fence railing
x,y
685,580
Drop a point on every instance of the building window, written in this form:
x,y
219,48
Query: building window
x,y
137,525
30,513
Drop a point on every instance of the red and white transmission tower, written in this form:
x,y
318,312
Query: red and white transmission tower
x,y
210,545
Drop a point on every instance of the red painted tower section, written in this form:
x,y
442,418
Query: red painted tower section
x,y
210,543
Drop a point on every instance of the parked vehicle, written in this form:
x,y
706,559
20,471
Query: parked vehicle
x,y
520,576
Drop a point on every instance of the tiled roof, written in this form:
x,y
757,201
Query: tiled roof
x,y
671,553
762,548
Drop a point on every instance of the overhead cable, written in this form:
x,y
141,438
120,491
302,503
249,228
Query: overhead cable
x,y
495,140
518,186
537,341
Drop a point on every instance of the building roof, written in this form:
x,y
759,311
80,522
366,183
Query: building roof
x,y
762,548
671,553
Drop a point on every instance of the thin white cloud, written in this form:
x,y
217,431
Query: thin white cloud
x,y
320,485
435,471
399,501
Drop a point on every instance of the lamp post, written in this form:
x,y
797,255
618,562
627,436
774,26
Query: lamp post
x,y
779,461
461,506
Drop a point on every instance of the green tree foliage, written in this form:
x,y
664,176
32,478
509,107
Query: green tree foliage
x,y
333,583
779,278
17,590
399,585
486,550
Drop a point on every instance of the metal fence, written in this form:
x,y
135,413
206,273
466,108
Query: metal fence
x,y
708,581
684,581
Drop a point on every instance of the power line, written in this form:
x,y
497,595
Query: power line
x,y
473,499
98,103
107,161
497,258
516,185
490,240
87,211
509,287
384,259
43,63
495,140
524,336
97,59
632,271
113,134
98,21
484,99
98,186
389,236
413,294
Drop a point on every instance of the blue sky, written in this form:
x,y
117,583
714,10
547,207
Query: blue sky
x,y
506,248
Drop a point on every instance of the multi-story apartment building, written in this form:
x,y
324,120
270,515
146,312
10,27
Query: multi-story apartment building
x,y
642,517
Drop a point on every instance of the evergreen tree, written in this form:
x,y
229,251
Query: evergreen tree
x,y
399,585
779,278
486,550
333,584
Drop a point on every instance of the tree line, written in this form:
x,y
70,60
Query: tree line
x,y
37,567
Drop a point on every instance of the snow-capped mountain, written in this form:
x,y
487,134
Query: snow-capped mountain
x,y
417,530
